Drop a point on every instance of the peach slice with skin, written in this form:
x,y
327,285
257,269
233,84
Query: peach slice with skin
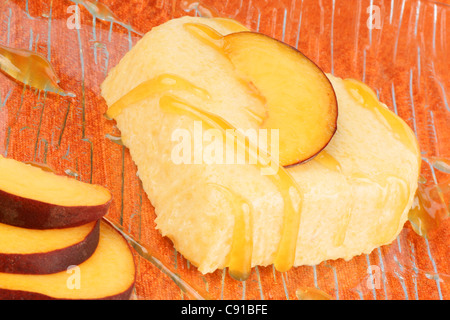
x,y
300,99
33,251
39,199
301,102
108,274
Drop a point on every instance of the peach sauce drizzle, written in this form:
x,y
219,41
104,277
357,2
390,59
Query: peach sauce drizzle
x,y
31,69
240,256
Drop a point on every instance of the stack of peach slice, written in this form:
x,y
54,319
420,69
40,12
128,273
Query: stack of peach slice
x,y
54,242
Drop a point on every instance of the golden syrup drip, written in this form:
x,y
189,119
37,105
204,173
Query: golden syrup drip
x,y
98,10
341,233
383,232
367,98
115,139
328,161
31,69
429,209
286,185
146,89
240,257
202,9
422,179
42,166
207,35
217,41
325,159
431,205
442,164
231,24
103,12
312,294
71,173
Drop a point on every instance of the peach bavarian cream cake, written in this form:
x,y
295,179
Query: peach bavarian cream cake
x,y
252,155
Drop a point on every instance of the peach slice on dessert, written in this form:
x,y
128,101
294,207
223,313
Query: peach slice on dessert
x,y
108,274
39,199
34,251
300,100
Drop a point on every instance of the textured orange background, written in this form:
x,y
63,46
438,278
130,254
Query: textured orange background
x,y
406,61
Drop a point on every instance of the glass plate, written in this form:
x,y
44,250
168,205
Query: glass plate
x,y
399,48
